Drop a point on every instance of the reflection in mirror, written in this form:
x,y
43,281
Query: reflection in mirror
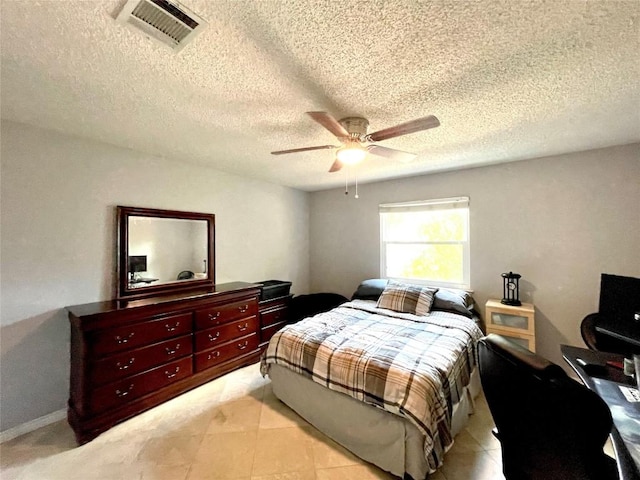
x,y
163,250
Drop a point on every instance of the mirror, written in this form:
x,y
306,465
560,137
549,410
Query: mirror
x,y
164,251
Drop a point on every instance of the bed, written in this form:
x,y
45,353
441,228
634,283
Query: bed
x,y
390,375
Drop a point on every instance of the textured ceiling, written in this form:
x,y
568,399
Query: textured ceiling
x,y
509,80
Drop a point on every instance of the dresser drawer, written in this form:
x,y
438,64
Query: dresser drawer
x,y
138,360
271,317
226,351
121,392
103,342
267,332
213,337
223,313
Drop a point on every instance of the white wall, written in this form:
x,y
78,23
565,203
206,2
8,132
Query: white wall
x,y
558,221
58,202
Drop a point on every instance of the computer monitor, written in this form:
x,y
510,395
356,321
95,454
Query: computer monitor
x,y
137,263
619,297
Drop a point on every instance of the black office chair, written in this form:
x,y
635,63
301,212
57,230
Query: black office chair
x,y
185,275
550,427
588,331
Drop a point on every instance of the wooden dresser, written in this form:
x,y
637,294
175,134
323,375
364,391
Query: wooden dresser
x,y
128,356
274,314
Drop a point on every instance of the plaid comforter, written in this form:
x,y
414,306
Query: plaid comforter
x,y
415,367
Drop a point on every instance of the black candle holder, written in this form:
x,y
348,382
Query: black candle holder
x,y
511,289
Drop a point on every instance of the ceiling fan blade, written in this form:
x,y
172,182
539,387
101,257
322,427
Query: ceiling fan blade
x,y
412,126
391,153
337,165
303,149
330,123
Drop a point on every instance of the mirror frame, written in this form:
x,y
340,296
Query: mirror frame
x,y
122,274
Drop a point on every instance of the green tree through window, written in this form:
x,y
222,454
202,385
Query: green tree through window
x,y
426,241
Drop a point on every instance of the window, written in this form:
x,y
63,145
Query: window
x,y
426,241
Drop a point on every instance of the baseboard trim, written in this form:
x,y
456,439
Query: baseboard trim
x,y
27,427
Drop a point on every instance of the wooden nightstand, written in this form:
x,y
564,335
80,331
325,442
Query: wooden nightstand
x,y
274,314
515,323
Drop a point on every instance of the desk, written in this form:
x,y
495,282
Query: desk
x,y
625,434
137,282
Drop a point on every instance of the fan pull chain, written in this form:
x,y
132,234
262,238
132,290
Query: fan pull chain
x,y
356,175
346,181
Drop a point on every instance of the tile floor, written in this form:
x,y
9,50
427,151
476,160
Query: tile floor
x,y
233,428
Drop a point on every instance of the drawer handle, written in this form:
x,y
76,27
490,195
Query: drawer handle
x,y
214,316
120,340
171,352
242,346
171,375
121,366
243,308
213,355
214,337
124,393
172,329
242,328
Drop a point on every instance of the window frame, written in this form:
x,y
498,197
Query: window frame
x,y
421,206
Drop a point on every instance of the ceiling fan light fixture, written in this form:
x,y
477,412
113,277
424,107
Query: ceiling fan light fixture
x,y
356,142
351,154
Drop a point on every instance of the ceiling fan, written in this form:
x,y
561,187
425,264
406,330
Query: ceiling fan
x,y
356,142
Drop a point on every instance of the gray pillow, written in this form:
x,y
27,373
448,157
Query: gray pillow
x,y
456,301
446,299
370,289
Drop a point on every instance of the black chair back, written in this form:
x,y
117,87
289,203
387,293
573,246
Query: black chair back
x,y
550,427
185,275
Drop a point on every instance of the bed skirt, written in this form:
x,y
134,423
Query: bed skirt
x,y
391,442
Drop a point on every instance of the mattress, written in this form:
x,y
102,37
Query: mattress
x,y
415,368
391,442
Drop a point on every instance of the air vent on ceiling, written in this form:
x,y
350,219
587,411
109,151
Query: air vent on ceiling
x,y
166,22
